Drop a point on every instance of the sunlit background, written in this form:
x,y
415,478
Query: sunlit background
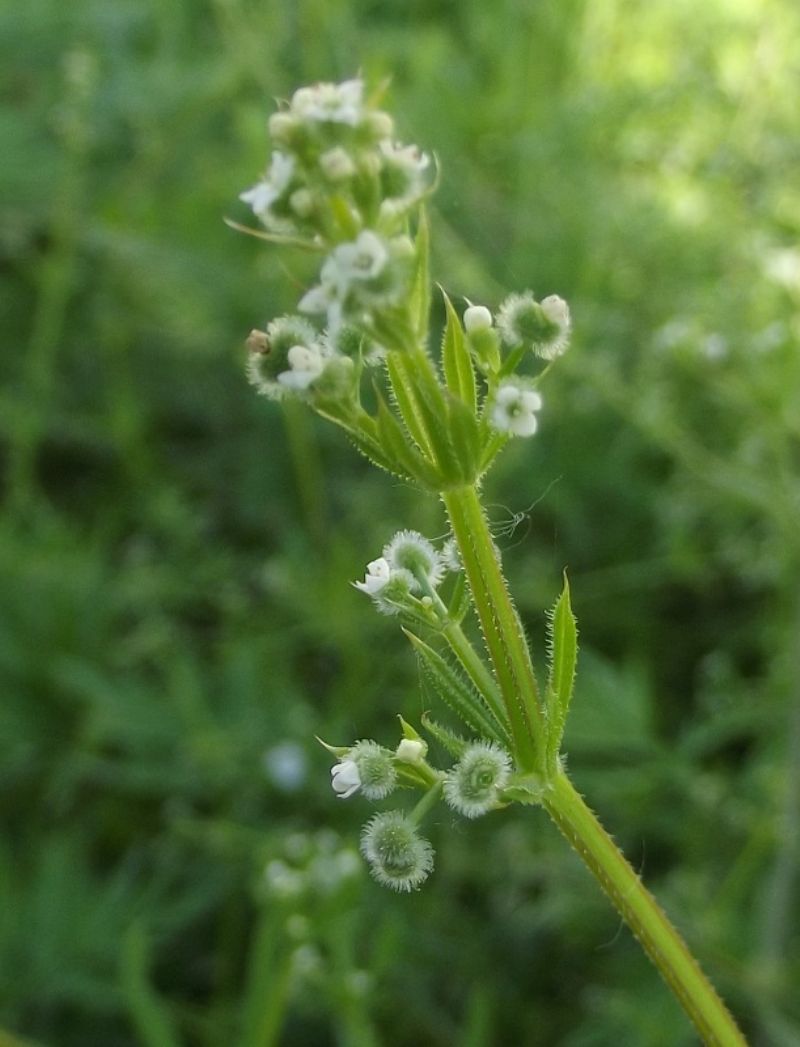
x,y
176,622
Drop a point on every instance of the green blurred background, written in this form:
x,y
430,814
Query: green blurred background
x,y
176,621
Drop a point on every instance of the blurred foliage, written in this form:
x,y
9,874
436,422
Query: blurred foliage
x,y
175,618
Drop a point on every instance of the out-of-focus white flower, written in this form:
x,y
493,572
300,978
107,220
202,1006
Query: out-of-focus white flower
x,y
345,778
330,103
266,192
306,365
378,574
362,259
402,171
514,409
286,765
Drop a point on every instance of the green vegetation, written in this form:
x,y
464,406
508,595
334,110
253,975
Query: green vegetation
x,y
174,624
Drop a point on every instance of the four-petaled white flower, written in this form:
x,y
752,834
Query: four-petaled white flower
x,y
306,365
378,574
330,103
514,409
345,778
362,259
264,194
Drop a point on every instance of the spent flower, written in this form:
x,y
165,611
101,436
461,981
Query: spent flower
x,y
472,786
409,551
542,326
398,856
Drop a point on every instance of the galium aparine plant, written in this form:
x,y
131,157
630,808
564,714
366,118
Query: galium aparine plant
x,y
340,185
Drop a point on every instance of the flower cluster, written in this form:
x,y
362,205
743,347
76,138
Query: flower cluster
x,y
338,180
290,358
398,856
409,567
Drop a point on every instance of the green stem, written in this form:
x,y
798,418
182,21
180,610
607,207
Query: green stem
x,y
641,912
429,800
476,670
502,629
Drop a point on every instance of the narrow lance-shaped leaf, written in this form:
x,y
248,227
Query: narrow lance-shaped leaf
x,y
563,642
459,600
456,359
450,741
421,289
458,693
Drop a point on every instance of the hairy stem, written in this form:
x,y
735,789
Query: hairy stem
x,y
641,912
502,629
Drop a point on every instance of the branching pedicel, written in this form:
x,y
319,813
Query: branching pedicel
x,y
339,184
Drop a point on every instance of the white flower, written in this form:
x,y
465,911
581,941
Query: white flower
x,y
306,365
330,103
378,574
514,409
362,259
318,299
345,778
477,318
403,170
264,194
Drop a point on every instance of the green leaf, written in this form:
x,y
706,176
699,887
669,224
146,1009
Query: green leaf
x,y
397,449
149,1013
563,643
456,360
459,600
458,693
421,289
450,741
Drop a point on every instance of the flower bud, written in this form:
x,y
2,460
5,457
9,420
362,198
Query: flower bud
x,y
337,164
380,124
477,318
411,750
283,127
303,203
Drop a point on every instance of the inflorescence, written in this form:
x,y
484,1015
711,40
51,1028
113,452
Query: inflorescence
x,y
340,185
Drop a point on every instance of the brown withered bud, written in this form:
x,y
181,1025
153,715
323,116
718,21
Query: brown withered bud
x,y
257,342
